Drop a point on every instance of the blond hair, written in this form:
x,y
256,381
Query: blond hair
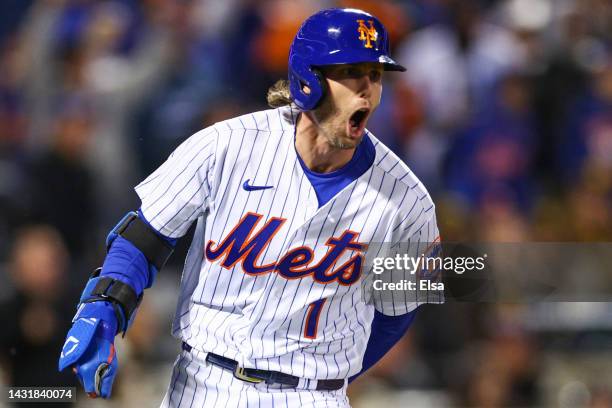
x,y
279,94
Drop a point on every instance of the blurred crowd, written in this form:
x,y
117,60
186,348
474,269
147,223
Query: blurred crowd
x,y
505,114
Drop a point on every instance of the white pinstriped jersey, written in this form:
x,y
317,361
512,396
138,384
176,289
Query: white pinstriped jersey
x,y
271,280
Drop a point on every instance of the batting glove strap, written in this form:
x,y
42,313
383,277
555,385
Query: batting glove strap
x,y
120,295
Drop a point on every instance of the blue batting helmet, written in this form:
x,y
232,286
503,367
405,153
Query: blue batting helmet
x,y
334,36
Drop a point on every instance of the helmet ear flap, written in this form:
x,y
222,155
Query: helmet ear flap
x,y
300,75
322,84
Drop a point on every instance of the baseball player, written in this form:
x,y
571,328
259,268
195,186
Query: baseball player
x,y
272,311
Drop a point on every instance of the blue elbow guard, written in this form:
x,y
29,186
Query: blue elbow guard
x,y
153,246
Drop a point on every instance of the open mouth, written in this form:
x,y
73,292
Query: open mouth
x,y
357,122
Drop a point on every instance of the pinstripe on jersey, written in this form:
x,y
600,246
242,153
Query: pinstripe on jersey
x,y
258,318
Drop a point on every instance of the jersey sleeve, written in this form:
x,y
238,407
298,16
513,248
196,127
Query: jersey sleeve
x,y
179,191
410,285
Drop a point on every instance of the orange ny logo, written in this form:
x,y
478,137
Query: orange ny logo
x,y
367,34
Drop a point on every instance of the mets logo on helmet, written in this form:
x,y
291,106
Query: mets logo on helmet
x,y
367,34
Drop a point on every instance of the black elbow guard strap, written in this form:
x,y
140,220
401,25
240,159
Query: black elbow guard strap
x,y
156,249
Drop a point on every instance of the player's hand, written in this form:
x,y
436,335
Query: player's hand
x,y
90,351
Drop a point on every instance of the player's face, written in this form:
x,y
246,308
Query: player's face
x,y
354,92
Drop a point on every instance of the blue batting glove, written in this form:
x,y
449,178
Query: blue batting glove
x,y
90,350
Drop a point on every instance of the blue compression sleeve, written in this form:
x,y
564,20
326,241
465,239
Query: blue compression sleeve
x,y
126,263
386,332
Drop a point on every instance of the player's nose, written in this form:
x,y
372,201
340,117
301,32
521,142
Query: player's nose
x,y
365,85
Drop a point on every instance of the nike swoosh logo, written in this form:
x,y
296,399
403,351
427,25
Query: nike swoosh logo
x,y
249,187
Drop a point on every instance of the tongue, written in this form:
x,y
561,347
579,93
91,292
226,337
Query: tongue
x,y
354,128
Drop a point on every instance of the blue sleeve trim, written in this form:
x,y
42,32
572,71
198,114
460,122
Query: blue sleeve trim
x,y
386,332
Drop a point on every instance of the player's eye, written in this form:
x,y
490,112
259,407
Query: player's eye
x,y
375,75
348,71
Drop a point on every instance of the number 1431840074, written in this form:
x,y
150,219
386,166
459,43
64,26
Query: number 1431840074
x,y
40,394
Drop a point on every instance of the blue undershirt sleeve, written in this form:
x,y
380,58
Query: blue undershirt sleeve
x,y
386,332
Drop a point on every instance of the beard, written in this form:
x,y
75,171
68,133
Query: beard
x,y
332,125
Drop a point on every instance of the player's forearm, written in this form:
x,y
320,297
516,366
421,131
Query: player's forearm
x,y
108,304
386,332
